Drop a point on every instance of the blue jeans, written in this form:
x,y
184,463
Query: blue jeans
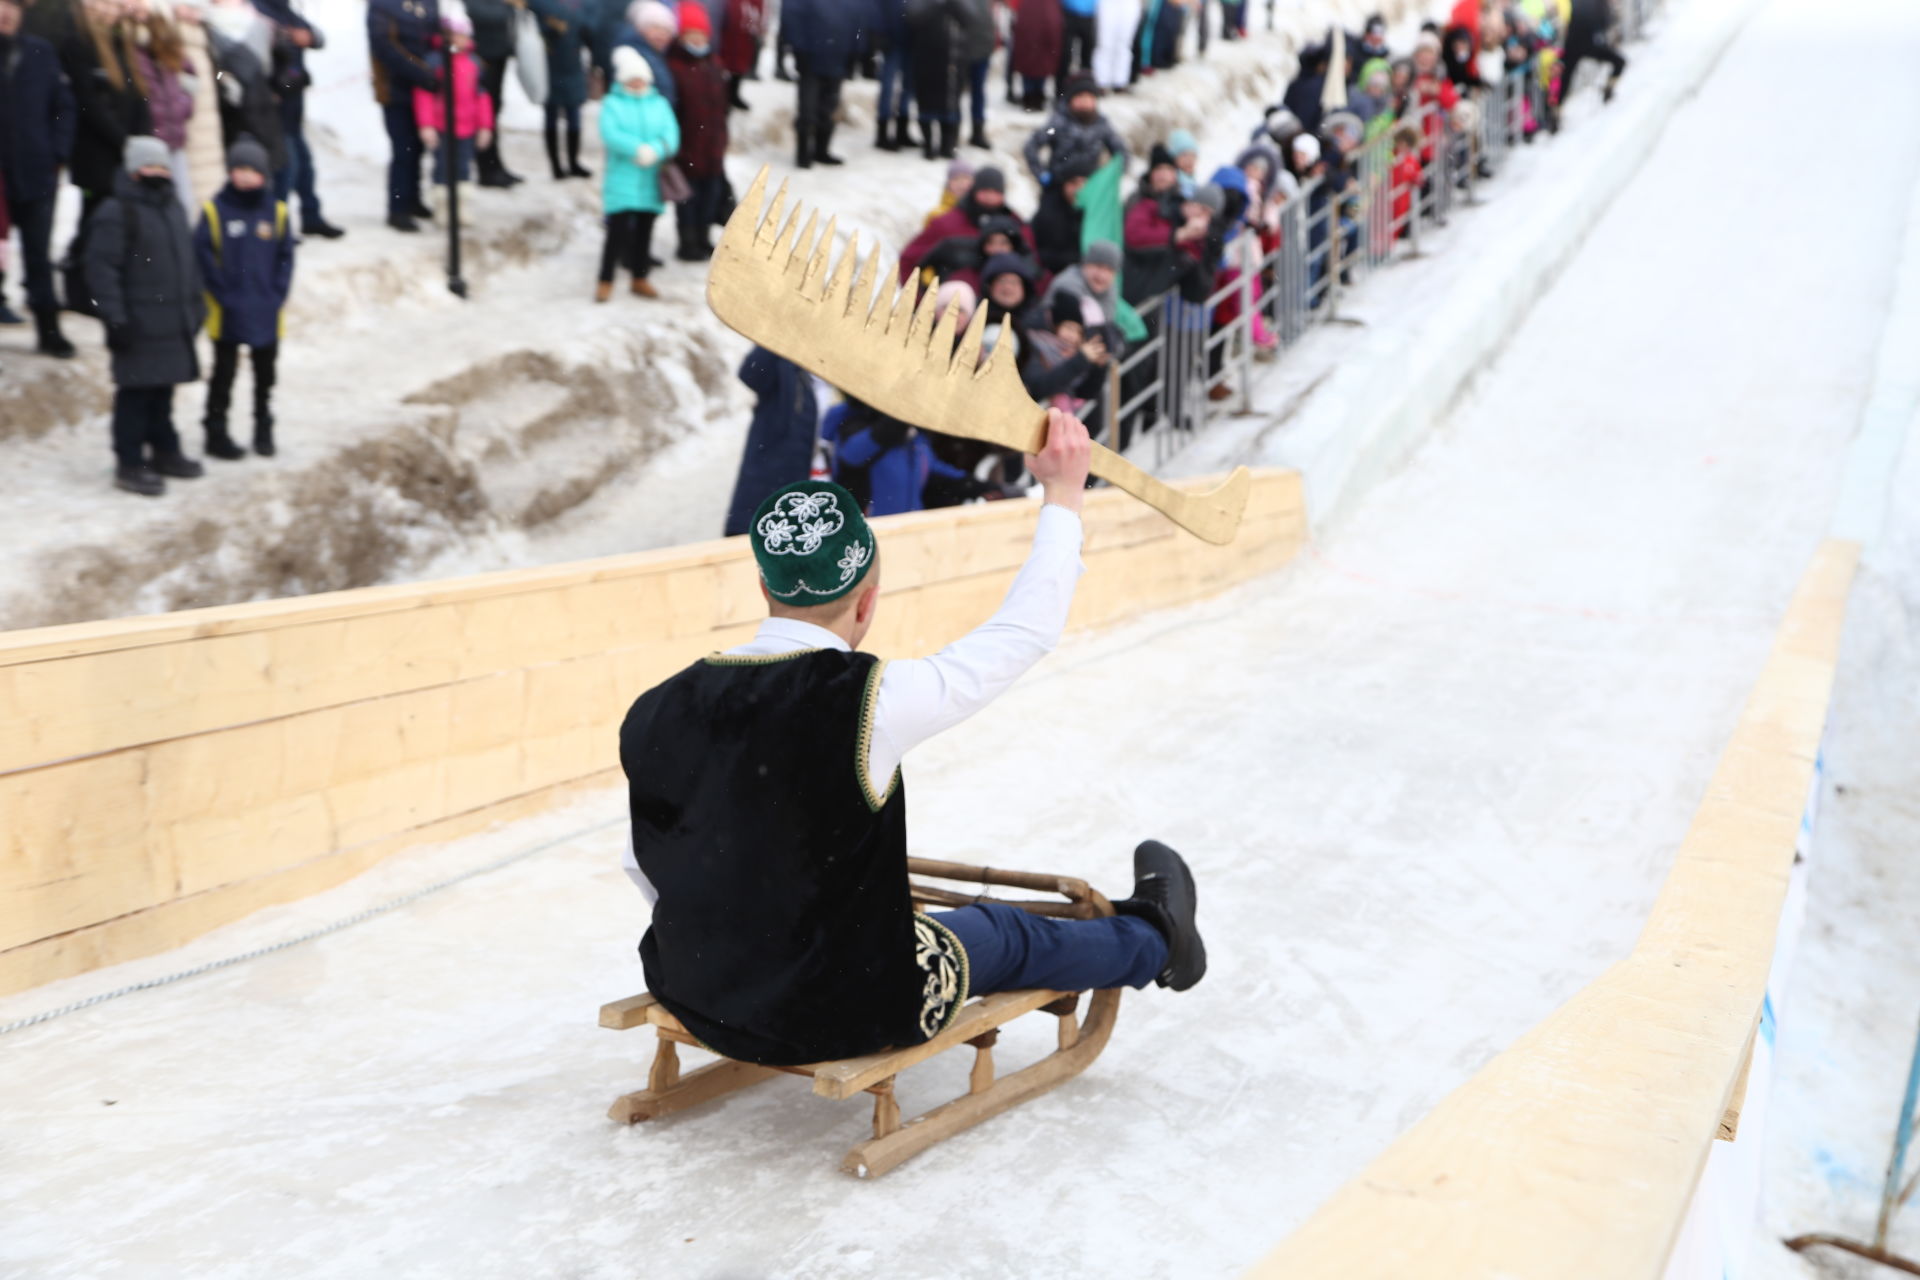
x,y
298,175
977,81
462,161
403,169
896,78
1011,950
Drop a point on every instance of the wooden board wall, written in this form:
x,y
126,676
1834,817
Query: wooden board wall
x,y
1573,1155
162,776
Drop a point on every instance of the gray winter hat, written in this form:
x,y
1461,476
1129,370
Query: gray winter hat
x,y
1102,253
1210,195
247,153
144,151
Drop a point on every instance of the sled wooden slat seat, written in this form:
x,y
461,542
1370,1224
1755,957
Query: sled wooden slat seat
x,y
978,1025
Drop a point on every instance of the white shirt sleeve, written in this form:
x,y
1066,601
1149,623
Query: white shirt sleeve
x,y
920,697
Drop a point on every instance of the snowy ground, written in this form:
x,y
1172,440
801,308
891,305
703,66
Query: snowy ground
x,y
527,426
1431,778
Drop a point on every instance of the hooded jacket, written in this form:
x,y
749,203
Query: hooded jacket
x,y
1068,143
244,249
145,284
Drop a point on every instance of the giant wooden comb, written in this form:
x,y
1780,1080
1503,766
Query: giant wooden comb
x,y
879,344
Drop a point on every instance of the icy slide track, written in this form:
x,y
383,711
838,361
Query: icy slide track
x,y
1431,779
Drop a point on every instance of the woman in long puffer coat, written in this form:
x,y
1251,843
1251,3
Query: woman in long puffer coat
x,y
566,26
1037,31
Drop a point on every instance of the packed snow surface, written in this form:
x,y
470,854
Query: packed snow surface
x,y
1430,779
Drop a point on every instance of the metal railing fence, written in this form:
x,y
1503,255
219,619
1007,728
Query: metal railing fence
x,y
1329,242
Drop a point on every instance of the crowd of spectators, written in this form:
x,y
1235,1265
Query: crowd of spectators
x,y
111,95
1120,247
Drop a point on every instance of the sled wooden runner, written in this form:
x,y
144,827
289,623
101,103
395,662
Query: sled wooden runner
x,y
978,1025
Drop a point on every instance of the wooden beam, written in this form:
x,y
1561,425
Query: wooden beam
x,y
162,776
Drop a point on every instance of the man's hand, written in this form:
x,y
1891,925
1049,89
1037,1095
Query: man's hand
x,y
429,138
483,139
1061,464
1095,350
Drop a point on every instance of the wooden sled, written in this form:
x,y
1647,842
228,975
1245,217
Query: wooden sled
x,y
978,1025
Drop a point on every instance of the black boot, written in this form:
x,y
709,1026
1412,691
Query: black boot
x,y
821,152
884,139
979,138
263,436
8,315
51,341
734,99
929,147
553,150
144,481
1164,896
949,138
220,444
179,466
574,168
802,146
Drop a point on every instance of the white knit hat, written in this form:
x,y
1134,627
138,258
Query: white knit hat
x,y
652,13
628,64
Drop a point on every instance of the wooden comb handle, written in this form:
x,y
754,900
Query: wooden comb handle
x,y
1213,516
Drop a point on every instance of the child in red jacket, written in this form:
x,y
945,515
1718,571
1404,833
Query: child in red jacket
x,y
472,113
1407,173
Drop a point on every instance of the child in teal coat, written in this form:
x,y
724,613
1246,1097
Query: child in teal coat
x,y
641,135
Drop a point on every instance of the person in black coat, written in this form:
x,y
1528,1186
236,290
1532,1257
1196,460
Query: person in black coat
x,y
293,37
400,36
36,136
1589,35
780,440
826,37
937,33
109,108
493,44
146,288
1057,223
244,250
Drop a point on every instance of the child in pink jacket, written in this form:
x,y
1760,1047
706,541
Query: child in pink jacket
x,y
472,113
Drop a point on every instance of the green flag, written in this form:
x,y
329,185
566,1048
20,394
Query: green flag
x,y
1100,202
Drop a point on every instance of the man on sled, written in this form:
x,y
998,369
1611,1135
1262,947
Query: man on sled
x,y
769,810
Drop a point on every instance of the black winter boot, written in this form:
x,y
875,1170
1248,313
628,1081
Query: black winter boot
x,y
884,138
552,135
144,481
979,138
263,437
1164,896
179,466
949,138
574,168
821,151
51,342
928,146
221,445
803,147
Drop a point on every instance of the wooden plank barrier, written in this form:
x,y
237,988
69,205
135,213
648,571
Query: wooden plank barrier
x,y
1573,1155
161,776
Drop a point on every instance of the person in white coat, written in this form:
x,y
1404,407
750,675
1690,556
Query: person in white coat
x,y
1118,23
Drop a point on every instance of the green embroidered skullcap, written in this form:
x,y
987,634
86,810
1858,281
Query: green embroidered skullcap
x,y
811,541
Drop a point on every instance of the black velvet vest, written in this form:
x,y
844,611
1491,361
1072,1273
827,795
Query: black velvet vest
x,y
784,933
